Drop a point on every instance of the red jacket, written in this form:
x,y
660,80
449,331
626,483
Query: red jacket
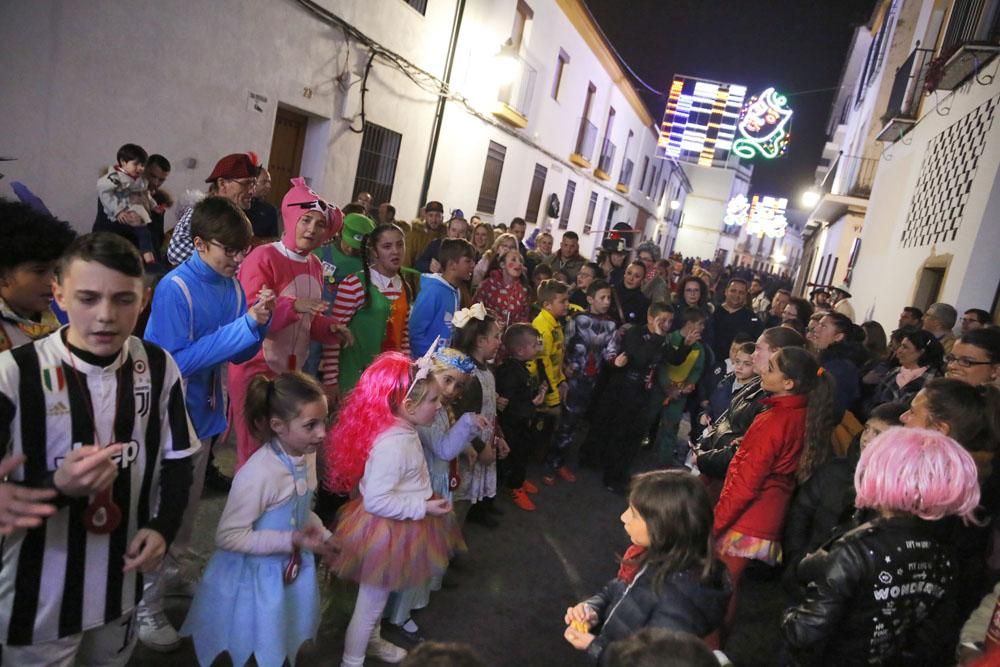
x,y
509,303
761,477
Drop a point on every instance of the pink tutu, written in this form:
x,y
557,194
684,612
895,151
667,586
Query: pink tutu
x,y
393,554
733,543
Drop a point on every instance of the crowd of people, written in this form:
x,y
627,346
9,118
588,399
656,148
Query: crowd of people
x,y
384,381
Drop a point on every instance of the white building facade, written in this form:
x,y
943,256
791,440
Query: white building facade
x,y
345,93
930,223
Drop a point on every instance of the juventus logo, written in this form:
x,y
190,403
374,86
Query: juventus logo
x,y
142,401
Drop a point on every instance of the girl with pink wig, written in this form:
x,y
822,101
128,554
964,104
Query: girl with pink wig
x,y
289,268
395,533
884,593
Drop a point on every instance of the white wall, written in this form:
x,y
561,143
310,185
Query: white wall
x,y
91,76
887,274
553,124
705,208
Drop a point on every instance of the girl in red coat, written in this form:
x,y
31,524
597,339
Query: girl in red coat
x,y
782,447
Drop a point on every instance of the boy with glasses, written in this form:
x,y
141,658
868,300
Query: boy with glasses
x,y
200,315
233,178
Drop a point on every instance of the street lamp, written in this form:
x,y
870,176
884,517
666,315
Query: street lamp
x,y
809,198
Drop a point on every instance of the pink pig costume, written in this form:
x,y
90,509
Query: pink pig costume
x,y
291,274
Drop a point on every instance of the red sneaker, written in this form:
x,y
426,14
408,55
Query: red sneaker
x,y
522,500
566,474
529,487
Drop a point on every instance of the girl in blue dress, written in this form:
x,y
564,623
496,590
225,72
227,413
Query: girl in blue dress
x,y
259,596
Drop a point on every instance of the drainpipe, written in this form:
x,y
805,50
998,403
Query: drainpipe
x,y
456,27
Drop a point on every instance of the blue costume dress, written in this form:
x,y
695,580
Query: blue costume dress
x,y
243,605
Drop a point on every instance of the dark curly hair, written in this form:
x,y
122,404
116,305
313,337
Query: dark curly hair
x,y
29,236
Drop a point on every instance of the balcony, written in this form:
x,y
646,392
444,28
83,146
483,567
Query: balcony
x,y
857,175
626,177
603,171
515,97
904,99
971,41
585,140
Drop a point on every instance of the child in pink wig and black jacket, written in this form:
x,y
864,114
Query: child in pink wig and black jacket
x,y
884,593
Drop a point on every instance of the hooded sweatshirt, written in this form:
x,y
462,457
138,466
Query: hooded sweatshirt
x,y
431,314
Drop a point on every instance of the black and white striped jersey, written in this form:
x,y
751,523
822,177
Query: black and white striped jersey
x,y
59,579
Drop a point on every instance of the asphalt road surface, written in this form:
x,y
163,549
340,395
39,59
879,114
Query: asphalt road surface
x,y
508,595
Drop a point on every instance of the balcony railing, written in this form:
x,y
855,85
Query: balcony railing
x,y
516,96
857,173
625,178
607,157
586,137
972,21
904,98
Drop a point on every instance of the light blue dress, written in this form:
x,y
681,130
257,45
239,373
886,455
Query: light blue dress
x,y
243,605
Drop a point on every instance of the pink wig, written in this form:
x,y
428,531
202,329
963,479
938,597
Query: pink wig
x,y
369,410
919,472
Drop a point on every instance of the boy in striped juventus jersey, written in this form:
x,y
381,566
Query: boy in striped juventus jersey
x,y
99,416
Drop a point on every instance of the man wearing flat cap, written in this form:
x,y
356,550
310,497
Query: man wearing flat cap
x,y
233,178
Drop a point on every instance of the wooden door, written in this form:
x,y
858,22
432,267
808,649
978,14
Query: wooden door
x,y
286,152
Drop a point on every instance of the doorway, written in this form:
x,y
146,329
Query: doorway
x,y
287,143
929,287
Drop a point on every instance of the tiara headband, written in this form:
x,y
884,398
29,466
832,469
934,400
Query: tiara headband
x,y
461,318
423,365
456,359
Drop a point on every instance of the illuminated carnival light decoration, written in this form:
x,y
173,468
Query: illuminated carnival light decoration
x,y
763,127
762,216
699,121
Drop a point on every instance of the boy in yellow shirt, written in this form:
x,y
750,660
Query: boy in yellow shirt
x,y
553,296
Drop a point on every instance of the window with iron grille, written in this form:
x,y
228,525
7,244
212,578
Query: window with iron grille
x,y
490,186
419,5
535,197
588,221
567,204
377,163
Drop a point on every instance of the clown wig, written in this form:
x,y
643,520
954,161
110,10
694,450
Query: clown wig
x,y
919,472
370,409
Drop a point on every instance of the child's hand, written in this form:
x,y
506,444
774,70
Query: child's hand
x,y
145,551
437,507
705,420
87,470
346,337
688,388
305,306
692,337
502,403
581,613
580,640
563,389
621,360
21,506
540,396
470,455
503,449
480,422
568,371
488,455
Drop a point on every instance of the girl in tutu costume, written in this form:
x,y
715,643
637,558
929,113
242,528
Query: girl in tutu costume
x,y
395,534
259,596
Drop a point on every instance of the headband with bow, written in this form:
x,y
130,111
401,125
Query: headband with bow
x,y
461,318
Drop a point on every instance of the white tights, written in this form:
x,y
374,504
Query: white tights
x,y
364,624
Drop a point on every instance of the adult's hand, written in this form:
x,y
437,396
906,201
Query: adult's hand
x,y
21,506
87,470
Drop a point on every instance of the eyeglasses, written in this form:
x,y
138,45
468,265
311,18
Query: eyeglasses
x,y
965,362
245,183
232,253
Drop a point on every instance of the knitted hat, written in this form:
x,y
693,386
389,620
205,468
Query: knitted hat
x,y
235,165
301,199
355,228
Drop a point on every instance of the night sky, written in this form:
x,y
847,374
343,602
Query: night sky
x,y
793,45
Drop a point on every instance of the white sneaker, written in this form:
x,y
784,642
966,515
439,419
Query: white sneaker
x,y
156,633
384,650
